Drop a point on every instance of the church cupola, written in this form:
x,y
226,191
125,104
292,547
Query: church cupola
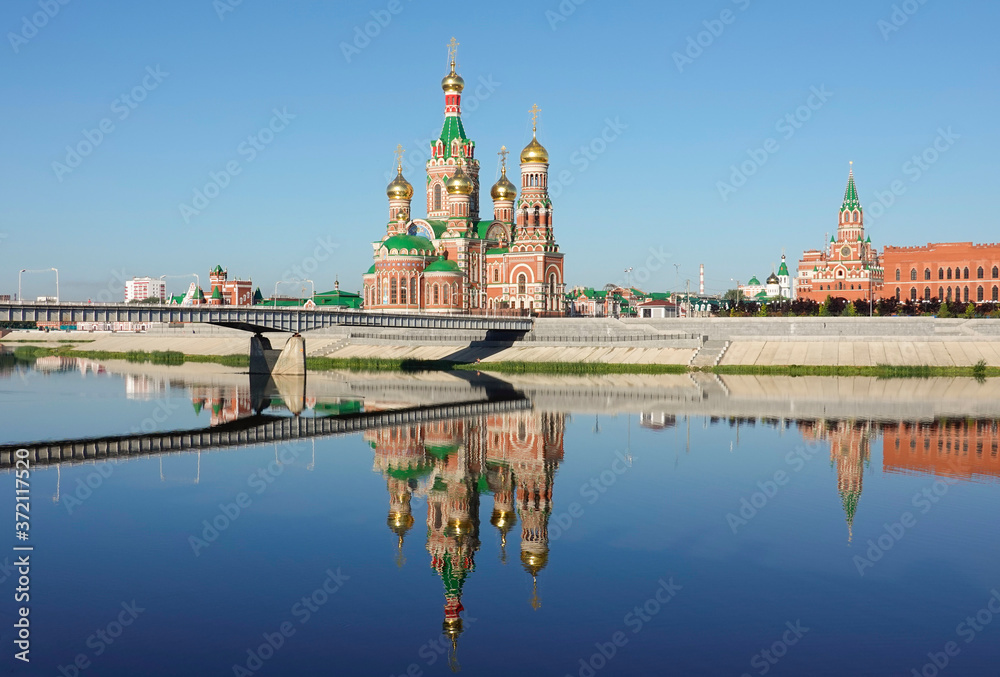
x,y
503,192
534,210
400,193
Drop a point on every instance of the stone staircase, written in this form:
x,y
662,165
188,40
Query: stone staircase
x,y
710,354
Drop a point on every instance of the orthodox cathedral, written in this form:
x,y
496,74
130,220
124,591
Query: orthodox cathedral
x,y
454,261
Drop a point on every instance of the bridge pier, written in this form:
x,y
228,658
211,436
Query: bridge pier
x,y
290,360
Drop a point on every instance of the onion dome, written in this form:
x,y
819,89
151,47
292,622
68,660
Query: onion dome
x,y
533,562
535,152
400,188
772,279
503,189
460,183
453,82
399,522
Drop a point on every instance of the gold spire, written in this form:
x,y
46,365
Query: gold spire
x,y
536,601
534,151
399,188
453,82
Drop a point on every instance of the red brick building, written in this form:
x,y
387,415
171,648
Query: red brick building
x,y
948,271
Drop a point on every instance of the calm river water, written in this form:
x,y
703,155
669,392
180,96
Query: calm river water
x,y
613,526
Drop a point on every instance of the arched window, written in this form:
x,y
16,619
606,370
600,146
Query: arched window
x,y
927,273
392,290
940,273
995,291
958,273
522,283
444,290
948,294
436,295
897,293
857,217
949,273
927,293
537,211
965,293
437,196
940,293
965,274
979,273
496,273
897,275
913,273
413,290
913,293
552,284
979,293
995,275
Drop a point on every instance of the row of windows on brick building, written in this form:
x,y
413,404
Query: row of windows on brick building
x,y
946,273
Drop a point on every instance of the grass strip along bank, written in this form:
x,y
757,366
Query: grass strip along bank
x,y
979,370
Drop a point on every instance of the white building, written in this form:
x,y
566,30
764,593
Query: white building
x,y
778,286
142,288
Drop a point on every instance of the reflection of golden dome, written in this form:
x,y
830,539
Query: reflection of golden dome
x,y
453,82
503,519
399,522
534,562
535,152
400,188
461,526
460,183
504,189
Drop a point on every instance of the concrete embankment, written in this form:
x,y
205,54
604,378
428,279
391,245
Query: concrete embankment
x,y
761,342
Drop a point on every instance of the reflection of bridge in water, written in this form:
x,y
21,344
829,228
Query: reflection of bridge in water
x,y
253,430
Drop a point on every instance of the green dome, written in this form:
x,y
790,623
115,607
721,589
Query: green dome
x,y
410,242
753,280
443,265
371,271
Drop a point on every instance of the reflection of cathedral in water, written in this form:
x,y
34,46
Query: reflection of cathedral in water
x,y
453,464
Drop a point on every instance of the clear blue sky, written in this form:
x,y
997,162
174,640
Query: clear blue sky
x,y
322,178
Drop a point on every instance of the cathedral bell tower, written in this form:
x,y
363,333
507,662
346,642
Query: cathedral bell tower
x,y
534,209
400,193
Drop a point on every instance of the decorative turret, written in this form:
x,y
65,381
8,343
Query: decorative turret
x,y
400,192
452,148
534,210
851,226
503,192
460,188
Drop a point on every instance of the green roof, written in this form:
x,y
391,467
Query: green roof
x,y
438,226
753,280
217,270
658,296
497,250
442,451
451,130
783,269
336,297
257,296
217,293
199,295
409,242
371,271
851,201
443,265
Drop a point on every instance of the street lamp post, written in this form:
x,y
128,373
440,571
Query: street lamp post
x,y
42,270
197,280
275,298
628,277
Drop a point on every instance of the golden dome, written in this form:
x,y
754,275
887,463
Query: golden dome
x,y
460,183
535,152
400,188
453,82
504,189
503,519
461,526
399,522
534,562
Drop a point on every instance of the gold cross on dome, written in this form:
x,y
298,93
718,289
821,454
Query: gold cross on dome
x,y
535,110
453,50
503,156
399,156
